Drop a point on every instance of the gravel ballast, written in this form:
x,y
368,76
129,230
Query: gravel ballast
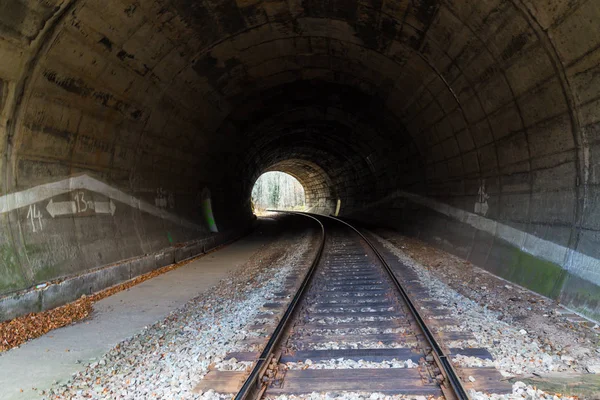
x,y
351,364
169,358
350,396
516,350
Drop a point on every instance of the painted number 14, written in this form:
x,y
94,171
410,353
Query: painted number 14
x,y
35,217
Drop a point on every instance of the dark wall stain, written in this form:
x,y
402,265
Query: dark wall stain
x,y
136,114
368,34
59,133
367,27
415,41
208,67
91,144
516,44
109,101
425,10
131,9
344,9
318,8
78,87
488,73
71,85
122,54
253,15
199,17
106,42
389,30
229,16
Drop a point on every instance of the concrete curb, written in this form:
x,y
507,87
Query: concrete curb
x,y
71,288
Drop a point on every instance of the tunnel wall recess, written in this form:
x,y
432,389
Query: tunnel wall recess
x,y
472,124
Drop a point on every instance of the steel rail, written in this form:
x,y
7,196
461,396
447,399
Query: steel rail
x,y
444,362
252,386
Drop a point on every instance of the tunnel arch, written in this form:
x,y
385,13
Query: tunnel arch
x,y
412,113
319,197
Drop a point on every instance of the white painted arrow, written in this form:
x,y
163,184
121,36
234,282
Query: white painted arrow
x,y
61,208
105,207
13,201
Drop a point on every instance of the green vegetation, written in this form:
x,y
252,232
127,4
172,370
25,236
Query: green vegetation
x,y
277,190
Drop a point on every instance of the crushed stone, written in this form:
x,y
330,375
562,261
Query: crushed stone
x,y
168,359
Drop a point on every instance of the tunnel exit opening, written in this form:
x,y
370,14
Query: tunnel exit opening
x,y
279,191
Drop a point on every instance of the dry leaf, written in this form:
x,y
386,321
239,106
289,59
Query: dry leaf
x,y
30,326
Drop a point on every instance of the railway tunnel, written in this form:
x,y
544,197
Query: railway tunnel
x,y
132,132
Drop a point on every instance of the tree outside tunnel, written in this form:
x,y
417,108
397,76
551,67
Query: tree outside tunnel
x,y
277,190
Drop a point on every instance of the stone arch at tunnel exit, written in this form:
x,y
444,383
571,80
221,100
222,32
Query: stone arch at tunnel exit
x,y
318,191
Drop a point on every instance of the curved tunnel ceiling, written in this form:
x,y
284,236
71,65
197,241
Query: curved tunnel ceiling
x,y
437,98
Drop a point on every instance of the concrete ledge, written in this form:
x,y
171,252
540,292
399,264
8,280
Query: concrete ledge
x,y
182,254
71,288
164,258
19,304
65,291
141,266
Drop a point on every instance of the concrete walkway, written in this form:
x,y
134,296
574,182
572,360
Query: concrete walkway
x,y
62,352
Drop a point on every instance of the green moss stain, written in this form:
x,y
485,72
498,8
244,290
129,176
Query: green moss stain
x,y
48,273
541,276
170,237
546,278
40,263
582,296
47,265
11,274
34,249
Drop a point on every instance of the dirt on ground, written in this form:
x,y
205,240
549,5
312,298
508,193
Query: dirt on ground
x,y
518,306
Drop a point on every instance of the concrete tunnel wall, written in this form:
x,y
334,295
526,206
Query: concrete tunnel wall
x,y
471,123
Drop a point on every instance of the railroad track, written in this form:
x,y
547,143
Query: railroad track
x,y
350,305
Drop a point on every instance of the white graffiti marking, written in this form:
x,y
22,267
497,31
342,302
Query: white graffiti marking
x,y
25,198
34,216
61,208
164,199
481,205
105,207
82,204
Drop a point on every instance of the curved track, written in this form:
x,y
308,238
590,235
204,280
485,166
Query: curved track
x,y
350,305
